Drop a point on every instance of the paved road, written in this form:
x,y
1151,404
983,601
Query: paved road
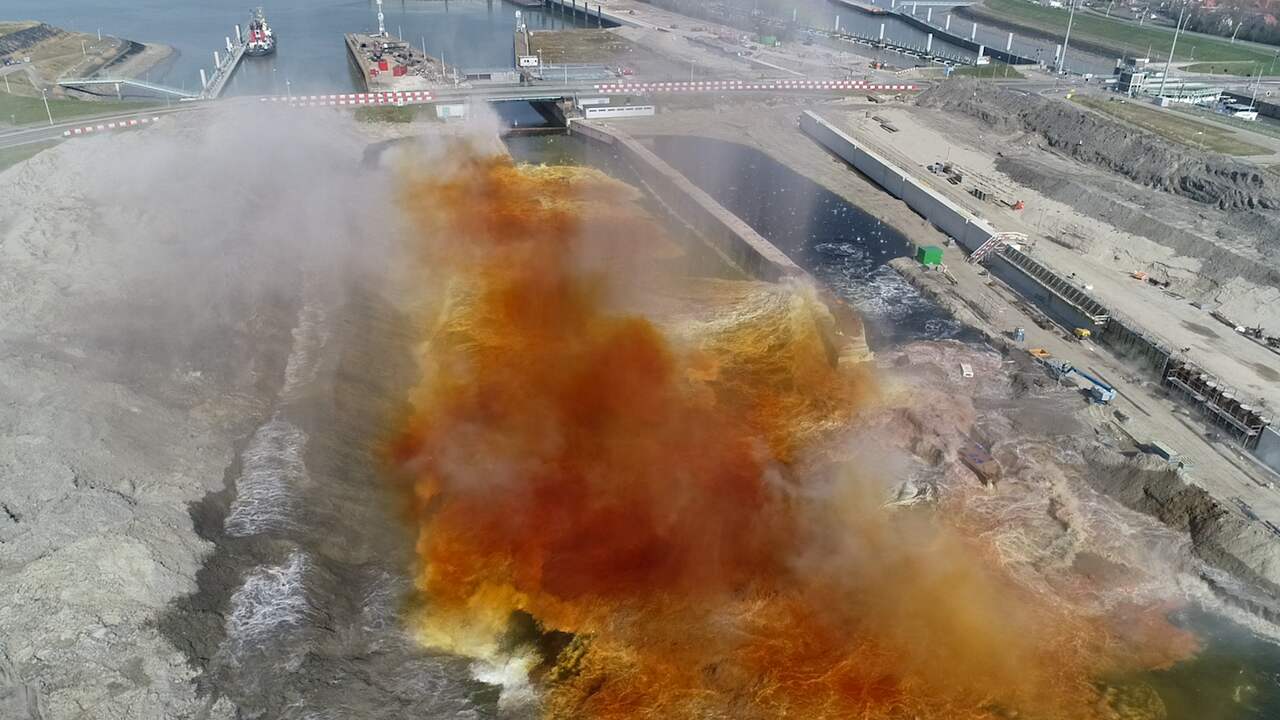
x,y
42,133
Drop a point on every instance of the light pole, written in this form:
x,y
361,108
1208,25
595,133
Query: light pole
x,y
1066,39
288,88
1169,63
44,95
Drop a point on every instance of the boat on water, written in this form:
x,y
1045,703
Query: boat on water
x,y
261,39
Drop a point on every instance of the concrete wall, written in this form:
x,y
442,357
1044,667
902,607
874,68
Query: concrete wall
x,y
728,235
960,41
592,9
967,229
1268,449
1048,301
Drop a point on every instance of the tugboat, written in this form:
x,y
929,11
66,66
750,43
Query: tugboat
x,y
261,40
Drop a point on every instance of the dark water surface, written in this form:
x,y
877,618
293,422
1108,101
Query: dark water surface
x,y
842,245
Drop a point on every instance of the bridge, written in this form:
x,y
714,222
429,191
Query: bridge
x,y
550,92
118,82
210,87
554,92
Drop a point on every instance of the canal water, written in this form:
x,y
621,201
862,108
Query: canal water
x,y
841,245
311,56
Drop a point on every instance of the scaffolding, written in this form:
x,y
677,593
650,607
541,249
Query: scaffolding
x,y
1219,402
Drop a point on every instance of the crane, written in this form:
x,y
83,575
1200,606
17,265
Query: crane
x,y
1099,391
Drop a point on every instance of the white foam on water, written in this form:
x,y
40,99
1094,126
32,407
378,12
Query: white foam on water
x,y
271,471
309,338
882,294
511,675
272,601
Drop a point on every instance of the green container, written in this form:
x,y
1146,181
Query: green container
x,y
768,40
929,255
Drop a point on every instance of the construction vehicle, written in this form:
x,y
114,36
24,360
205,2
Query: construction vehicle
x,y
1083,333
1099,392
1040,353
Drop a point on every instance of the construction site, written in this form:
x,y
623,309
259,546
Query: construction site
x,y
830,385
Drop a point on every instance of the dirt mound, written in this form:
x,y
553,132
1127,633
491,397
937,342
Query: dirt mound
x,y
1207,178
1221,537
1237,249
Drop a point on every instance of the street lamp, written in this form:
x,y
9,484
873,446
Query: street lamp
x,y
1066,40
288,88
44,95
1168,65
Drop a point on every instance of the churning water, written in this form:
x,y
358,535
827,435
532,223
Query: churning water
x,y
842,245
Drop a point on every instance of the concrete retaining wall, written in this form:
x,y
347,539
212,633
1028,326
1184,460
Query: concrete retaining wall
x,y
728,235
967,229
1268,450
964,42
583,10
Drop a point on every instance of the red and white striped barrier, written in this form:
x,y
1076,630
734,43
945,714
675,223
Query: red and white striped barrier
x,y
115,125
738,85
352,99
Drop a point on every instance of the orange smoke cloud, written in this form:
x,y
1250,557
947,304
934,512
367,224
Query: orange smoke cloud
x,y
632,479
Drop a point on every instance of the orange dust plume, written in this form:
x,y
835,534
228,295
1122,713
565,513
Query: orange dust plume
x,y
611,467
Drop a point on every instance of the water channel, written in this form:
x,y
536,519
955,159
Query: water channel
x,y
1237,676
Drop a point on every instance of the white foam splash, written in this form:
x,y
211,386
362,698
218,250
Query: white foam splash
x,y
272,469
271,601
511,675
309,338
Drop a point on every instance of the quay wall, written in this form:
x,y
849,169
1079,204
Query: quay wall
x,y
590,16
967,229
961,41
728,235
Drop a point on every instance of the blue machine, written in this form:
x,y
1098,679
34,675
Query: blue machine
x,y
1099,392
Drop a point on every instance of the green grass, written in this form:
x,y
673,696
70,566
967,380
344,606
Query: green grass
x,y
1125,37
392,114
1241,69
25,110
1261,126
10,26
14,155
995,70
1177,128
